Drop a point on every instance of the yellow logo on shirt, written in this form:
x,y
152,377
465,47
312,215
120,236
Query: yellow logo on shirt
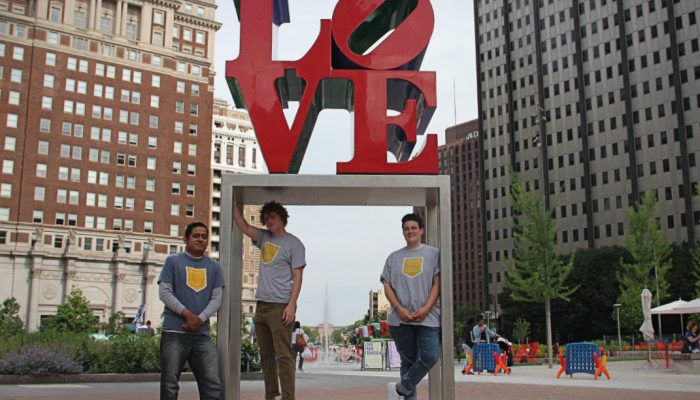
x,y
269,252
196,278
412,267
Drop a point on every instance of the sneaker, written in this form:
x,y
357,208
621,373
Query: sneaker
x,y
391,392
402,391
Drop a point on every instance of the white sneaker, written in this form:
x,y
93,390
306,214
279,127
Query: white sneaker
x,y
391,392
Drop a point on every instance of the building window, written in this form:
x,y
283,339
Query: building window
x,y
56,13
159,17
10,143
39,193
43,147
12,120
132,28
80,17
16,75
41,170
46,102
5,190
18,53
13,98
200,37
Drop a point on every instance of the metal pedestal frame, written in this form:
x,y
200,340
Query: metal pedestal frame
x,y
431,192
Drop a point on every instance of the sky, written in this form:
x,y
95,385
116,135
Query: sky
x,y
346,246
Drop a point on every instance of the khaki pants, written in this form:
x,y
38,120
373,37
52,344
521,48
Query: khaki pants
x,y
275,341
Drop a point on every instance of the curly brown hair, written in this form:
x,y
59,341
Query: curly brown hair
x,y
274,207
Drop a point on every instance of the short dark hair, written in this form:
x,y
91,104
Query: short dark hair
x,y
190,227
412,217
274,207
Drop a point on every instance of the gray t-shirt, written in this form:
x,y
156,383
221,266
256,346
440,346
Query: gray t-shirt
x,y
193,280
278,256
410,273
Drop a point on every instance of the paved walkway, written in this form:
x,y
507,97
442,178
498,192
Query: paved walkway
x,y
630,380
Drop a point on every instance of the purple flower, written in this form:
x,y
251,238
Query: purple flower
x,y
39,361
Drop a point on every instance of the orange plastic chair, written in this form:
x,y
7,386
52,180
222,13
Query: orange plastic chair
x,y
501,363
600,366
470,365
562,362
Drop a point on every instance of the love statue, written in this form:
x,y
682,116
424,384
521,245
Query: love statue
x,y
392,101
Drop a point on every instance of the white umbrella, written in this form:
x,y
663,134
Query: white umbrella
x,y
690,307
669,308
647,328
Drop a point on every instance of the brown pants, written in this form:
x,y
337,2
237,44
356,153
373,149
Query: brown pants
x,y
275,341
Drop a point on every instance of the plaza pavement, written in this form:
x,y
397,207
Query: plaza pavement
x,y
630,380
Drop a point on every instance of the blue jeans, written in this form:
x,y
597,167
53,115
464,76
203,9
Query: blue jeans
x,y
199,351
419,348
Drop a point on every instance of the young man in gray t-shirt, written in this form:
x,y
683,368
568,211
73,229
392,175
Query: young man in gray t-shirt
x,y
411,279
282,262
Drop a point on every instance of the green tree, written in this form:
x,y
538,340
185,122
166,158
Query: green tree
x,y
537,273
10,322
521,330
312,333
337,336
650,263
462,313
117,323
75,315
695,253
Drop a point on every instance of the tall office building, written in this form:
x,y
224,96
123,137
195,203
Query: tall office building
x,y
460,158
378,303
106,109
235,150
593,103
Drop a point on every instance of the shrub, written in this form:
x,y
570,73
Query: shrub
x,y
39,361
129,353
74,315
250,360
10,322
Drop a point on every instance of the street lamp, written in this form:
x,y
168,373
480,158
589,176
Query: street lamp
x,y
619,336
487,313
540,119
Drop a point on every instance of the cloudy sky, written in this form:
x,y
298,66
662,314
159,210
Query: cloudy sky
x,y
347,246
